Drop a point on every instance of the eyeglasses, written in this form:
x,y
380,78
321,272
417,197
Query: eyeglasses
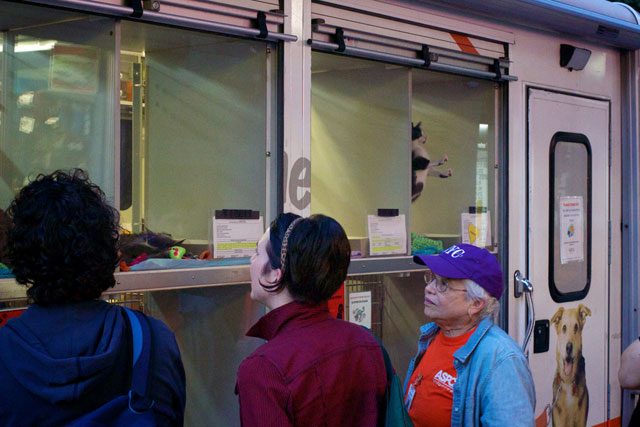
x,y
441,283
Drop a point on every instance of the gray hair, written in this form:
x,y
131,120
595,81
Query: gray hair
x,y
476,292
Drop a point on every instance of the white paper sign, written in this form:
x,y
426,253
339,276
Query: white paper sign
x,y
476,229
360,308
387,235
234,238
571,229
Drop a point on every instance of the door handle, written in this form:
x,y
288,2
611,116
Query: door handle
x,y
522,285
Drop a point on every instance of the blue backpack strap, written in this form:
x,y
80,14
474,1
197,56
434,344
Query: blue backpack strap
x,y
136,334
141,338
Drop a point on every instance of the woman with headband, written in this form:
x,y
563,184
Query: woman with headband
x,y
313,369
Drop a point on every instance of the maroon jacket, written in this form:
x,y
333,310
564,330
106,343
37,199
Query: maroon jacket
x,y
313,371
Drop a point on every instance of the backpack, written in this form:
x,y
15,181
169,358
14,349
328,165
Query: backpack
x,y
395,414
132,409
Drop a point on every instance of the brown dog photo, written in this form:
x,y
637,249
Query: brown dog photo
x,y
570,394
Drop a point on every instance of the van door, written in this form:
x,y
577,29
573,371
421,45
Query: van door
x,y
568,254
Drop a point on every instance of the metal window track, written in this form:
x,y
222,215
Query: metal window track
x,y
403,60
163,18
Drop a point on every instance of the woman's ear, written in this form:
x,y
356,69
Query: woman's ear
x,y
274,275
476,306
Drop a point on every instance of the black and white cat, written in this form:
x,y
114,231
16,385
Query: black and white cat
x,y
421,165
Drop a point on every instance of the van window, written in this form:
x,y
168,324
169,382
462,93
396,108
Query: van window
x,y
455,125
360,147
56,97
424,143
197,123
570,217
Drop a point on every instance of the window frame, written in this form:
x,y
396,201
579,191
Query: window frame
x,y
577,138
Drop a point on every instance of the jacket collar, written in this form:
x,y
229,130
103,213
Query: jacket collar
x,y
294,314
465,351
462,354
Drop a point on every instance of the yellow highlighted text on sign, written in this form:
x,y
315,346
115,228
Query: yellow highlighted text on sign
x,y
230,246
385,248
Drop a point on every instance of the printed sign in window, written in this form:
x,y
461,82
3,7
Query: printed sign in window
x,y
360,308
236,237
571,229
387,235
476,229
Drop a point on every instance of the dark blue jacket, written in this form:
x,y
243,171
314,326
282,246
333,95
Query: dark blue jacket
x,y
59,362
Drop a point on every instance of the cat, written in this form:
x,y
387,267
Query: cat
x,y
421,165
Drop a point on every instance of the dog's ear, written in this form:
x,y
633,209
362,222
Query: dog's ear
x,y
555,320
583,312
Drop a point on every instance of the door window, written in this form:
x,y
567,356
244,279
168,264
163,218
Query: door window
x,y
570,217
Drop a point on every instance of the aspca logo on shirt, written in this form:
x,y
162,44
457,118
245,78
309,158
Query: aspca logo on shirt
x,y
454,252
444,380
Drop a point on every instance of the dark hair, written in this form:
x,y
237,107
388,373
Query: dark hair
x,y
317,256
64,239
5,226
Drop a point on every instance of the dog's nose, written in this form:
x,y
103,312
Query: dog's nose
x,y
569,348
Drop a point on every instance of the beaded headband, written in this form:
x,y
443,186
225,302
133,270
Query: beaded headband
x,y
285,241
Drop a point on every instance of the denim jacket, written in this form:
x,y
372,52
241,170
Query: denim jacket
x,y
494,385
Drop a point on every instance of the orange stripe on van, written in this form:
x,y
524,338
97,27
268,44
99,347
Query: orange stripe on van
x,y
464,43
616,422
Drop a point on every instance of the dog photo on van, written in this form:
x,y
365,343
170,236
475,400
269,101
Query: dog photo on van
x,y
570,393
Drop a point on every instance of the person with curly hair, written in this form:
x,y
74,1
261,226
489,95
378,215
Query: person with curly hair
x,y
314,370
70,352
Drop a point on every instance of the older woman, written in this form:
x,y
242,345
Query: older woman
x,y
314,370
468,371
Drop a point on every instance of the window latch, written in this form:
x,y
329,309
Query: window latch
x,y
496,69
340,40
426,56
138,9
262,25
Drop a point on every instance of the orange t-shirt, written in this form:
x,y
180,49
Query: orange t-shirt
x,y
434,378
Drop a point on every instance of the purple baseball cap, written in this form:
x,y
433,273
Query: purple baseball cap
x,y
464,261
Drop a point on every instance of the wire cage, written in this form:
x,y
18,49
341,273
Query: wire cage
x,y
367,283
13,304
132,300
12,308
